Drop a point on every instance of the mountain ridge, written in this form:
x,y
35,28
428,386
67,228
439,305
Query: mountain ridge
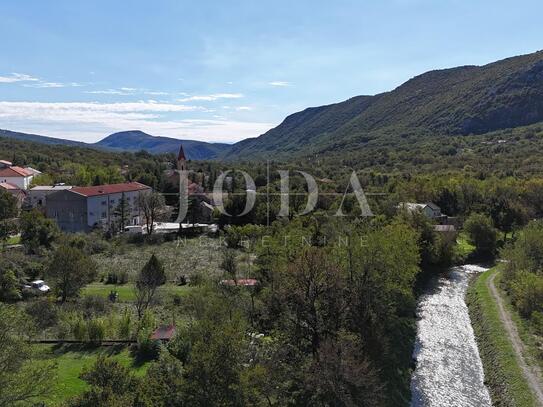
x,y
132,140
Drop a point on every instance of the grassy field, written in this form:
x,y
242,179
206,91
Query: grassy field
x,y
502,373
182,257
13,240
71,360
463,247
126,291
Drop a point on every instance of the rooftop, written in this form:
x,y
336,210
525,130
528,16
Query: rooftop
x,y
8,186
14,172
163,333
110,189
246,282
51,187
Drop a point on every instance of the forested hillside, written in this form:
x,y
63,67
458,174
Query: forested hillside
x,y
451,102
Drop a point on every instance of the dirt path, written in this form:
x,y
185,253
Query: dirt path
x,y
530,373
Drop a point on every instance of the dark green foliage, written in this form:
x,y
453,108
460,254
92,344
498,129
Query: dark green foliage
x,y
69,270
481,233
149,279
523,276
24,379
37,232
8,206
111,385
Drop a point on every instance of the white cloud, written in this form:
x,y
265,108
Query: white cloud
x,y
279,83
17,77
212,97
240,108
41,84
155,93
126,91
91,121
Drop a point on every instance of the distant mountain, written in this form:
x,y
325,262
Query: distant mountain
x,y
458,101
40,139
134,140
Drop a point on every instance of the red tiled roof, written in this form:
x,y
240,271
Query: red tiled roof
x,y
8,186
15,172
247,282
110,189
165,332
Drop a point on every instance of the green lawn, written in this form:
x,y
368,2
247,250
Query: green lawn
x,y
14,240
463,247
502,373
71,360
126,291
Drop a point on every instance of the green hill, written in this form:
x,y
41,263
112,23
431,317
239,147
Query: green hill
x,y
450,102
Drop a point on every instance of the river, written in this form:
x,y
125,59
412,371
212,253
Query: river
x,y
449,372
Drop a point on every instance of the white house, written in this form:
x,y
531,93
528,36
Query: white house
x,y
20,177
430,209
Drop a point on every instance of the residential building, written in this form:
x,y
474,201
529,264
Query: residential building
x,y
37,196
17,176
430,209
81,209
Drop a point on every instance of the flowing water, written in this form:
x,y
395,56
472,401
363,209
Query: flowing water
x,y
449,372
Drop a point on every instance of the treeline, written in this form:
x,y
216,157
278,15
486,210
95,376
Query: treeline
x,y
523,278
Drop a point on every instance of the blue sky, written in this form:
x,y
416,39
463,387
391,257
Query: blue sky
x,y
228,70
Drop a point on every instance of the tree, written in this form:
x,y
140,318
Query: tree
x,y
149,279
111,383
69,271
9,286
8,206
37,231
7,228
481,233
152,205
24,379
229,264
122,213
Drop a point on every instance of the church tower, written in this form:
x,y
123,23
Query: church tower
x,y
181,159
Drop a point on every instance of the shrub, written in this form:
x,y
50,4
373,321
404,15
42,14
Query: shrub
x,y
116,277
44,312
92,305
124,329
96,330
79,329
481,233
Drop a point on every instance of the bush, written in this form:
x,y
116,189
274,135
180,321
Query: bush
x,y
96,331
481,233
124,329
116,277
92,305
527,293
44,312
79,329
147,349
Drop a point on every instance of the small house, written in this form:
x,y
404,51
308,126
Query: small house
x,y
163,333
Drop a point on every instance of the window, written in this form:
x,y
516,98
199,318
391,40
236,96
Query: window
x,y
104,203
104,215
